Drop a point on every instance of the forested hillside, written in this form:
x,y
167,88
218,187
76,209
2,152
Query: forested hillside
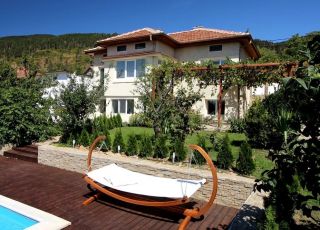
x,y
289,50
49,52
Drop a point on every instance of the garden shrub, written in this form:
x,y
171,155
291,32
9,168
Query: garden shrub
x,y
237,125
161,149
118,120
84,138
118,141
270,219
197,157
257,125
216,142
245,164
293,182
74,106
24,112
132,145
195,120
107,141
260,122
224,157
139,120
70,140
180,150
145,149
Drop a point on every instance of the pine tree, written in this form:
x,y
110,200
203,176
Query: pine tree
x,y
132,145
118,141
197,157
245,163
225,158
118,120
84,138
180,150
107,141
161,149
145,149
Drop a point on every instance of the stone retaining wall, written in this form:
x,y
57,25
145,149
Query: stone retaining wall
x,y
233,190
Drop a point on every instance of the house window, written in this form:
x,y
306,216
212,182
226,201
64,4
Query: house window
x,y
212,107
215,48
140,67
115,106
121,48
102,77
123,106
132,68
130,106
139,46
121,67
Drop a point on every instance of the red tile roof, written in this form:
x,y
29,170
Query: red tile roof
x,y
203,34
179,39
133,34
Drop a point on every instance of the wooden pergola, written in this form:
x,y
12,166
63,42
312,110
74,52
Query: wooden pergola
x,y
288,71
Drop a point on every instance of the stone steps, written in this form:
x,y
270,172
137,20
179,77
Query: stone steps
x,y
26,153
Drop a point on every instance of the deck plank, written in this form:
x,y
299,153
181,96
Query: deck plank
x,y
62,192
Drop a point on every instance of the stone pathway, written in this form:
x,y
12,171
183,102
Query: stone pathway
x,y
250,213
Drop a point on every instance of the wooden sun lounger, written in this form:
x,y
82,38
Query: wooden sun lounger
x,y
149,201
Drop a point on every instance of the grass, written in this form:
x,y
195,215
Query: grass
x,y
126,131
259,155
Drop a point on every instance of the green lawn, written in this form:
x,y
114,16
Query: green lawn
x,y
259,155
126,131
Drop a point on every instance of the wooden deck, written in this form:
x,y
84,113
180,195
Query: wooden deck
x,y
62,192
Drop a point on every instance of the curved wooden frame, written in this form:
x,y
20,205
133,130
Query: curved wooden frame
x,y
189,213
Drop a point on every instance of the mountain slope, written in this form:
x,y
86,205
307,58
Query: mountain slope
x,y
49,52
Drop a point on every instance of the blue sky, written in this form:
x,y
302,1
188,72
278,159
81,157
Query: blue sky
x,y
269,19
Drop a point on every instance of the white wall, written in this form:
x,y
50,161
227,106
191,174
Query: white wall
x,y
260,91
164,49
122,88
196,53
112,50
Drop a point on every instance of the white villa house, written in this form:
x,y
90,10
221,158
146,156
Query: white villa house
x,y
118,61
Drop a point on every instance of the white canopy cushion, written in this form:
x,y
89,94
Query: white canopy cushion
x,y
125,180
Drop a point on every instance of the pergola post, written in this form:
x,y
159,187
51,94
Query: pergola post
x,y
219,104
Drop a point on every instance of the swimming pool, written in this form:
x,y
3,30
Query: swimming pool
x,y
12,220
15,215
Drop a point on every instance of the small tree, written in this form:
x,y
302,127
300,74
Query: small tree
x,y
225,158
24,112
165,101
245,163
118,141
118,120
132,145
75,104
107,141
84,138
198,158
180,150
145,149
161,149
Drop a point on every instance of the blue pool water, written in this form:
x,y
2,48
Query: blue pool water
x,y
11,220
